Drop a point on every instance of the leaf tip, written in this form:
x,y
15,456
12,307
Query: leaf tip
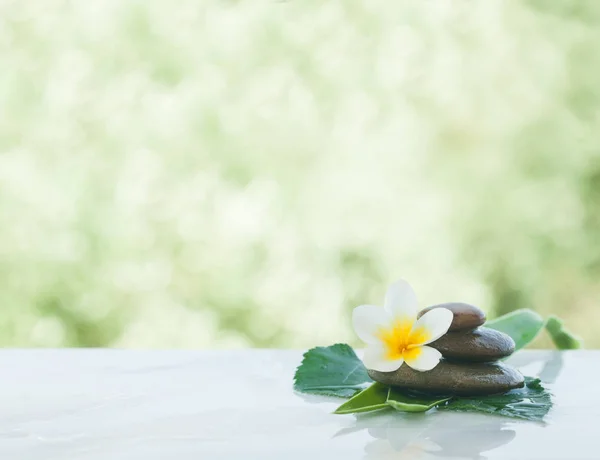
x,y
563,339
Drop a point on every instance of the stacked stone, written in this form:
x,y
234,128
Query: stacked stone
x,y
470,364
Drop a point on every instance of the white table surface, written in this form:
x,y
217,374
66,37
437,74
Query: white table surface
x,y
112,404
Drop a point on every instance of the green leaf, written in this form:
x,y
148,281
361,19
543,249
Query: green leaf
x,y
406,401
373,398
337,371
332,371
530,403
379,396
562,338
522,325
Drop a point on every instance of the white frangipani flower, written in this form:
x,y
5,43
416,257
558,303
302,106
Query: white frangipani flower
x,y
395,336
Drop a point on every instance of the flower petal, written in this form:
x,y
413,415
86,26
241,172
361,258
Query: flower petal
x,y
401,301
422,358
375,359
367,320
431,326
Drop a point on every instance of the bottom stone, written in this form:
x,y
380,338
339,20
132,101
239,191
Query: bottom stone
x,y
465,379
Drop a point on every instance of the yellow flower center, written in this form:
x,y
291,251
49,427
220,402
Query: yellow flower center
x,y
401,341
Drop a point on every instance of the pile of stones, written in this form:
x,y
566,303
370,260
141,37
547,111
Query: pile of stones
x,y
470,364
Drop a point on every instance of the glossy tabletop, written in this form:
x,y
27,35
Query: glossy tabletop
x,y
110,404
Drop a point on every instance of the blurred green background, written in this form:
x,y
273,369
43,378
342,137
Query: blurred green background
x,y
224,174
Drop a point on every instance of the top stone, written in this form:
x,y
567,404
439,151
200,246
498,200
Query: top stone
x,y
466,317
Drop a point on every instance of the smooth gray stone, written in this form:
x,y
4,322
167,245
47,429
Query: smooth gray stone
x,y
466,317
464,379
481,345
